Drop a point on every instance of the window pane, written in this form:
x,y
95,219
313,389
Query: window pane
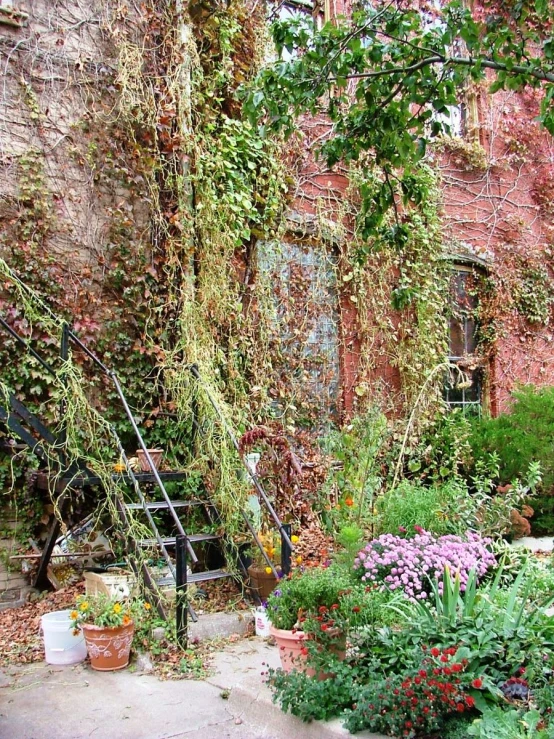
x,y
302,280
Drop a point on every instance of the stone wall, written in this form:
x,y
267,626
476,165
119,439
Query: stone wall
x,y
14,585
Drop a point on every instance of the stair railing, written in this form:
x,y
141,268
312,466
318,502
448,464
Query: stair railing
x,y
284,529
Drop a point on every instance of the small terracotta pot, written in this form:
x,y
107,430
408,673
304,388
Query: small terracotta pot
x,y
261,581
108,647
156,456
290,645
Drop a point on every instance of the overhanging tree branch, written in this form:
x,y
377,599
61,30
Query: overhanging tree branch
x,y
457,61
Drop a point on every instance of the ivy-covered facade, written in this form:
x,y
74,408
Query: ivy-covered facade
x,y
145,207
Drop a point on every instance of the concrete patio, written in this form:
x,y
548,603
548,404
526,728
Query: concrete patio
x,y
41,701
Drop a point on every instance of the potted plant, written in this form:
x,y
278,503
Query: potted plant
x,y
307,611
108,625
262,577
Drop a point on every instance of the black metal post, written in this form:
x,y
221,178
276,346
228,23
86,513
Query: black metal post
x,y
285,548
181,590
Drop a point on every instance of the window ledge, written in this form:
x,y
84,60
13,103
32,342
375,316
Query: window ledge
x,y
12,17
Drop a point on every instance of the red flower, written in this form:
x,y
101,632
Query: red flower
x,y
323,609
435,652
460,707
457,667
470,702
356,609
423,673
477,683
444,658
324,627
304,651
408,724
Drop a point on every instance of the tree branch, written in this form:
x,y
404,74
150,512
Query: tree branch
x,y
453,60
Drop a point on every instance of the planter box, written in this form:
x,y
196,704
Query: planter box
x,y
114,586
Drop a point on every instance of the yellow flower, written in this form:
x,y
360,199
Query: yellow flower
x,y
84,606
299,560
74,615
295,539
117,608
268,570
147,606
126,620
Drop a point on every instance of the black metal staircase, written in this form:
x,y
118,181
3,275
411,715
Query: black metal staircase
x,y
132,491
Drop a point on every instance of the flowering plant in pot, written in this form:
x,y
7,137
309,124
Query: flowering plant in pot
x,y
262,577
108,625
307,614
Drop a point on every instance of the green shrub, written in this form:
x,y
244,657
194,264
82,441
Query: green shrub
x,y
497,723
306,592
440,509
523,435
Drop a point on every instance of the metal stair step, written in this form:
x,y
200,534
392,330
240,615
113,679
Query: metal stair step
x,y
170,540
168,580
160,504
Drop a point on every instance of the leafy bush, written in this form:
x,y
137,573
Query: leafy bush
x,y
444,450
505,629
417,700
314,700
441,509
497,723
523,435
323,593
412,565
451,656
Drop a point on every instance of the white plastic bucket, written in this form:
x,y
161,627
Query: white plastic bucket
x,y
61,646
261,622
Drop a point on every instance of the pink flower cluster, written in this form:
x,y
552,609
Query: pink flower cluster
x,y
411,564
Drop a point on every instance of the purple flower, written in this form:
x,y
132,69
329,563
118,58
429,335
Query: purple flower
x,y
411,564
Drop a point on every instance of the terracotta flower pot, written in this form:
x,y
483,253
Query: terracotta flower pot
x,y
108,646
156,456
291,644
261,581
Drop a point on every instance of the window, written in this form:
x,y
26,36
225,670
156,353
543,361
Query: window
x,y
302,281
464,385
454,121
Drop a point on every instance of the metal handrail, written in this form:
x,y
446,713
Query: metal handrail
x,y
259,489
